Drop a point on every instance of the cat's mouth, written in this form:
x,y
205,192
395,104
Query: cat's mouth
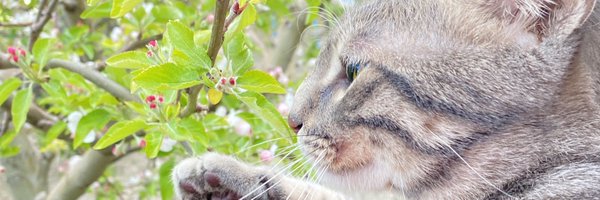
x,y
338,155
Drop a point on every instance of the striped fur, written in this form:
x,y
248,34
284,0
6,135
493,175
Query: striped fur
x,y
461,99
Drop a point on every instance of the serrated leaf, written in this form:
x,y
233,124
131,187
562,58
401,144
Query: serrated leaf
x,y
237,51
40,50
214,96
97,11
182,38
122,7
153,142
167,76
261,82
119,131
93,120
166,188
20,107
129,60
261,107
8,87
247,18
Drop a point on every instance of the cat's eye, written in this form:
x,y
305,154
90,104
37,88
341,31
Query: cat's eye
x,y
352,70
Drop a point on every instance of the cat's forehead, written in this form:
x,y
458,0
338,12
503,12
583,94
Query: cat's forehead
x,y
420,26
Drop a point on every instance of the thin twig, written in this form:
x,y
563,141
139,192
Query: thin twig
x,y
42,18
20,24
220,25
140,43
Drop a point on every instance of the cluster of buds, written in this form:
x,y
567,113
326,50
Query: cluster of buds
x,y
152,47
226,83
154,100
16,54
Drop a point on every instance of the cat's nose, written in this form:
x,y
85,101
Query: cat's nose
x,y
294,122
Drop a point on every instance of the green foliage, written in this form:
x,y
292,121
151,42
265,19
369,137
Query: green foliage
x,y
235,111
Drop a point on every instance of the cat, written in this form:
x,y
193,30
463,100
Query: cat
x,y
457,99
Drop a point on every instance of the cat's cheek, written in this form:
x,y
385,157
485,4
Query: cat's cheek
x,y
352,153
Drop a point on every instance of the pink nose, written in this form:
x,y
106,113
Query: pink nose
x,y
294,123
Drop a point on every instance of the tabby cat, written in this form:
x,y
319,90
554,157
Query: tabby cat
x,y
440,99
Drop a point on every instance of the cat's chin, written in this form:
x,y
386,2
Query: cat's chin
x,y
374,176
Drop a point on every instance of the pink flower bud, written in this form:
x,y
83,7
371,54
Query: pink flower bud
x,y
232,81
153,106
210,18
161,99
142,143
237,9
223,81
2,169
12,51
149,54
22,52
243,128
15,58
266,156
115,151
283,108
150,98
153,43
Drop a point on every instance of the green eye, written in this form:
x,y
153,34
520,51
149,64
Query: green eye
x,y
352,70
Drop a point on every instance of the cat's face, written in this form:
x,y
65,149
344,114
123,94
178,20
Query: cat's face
x,y
434,77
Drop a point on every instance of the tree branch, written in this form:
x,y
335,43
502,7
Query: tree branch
x,y
95,77
74,183
42,18
216,41
20,24
140,43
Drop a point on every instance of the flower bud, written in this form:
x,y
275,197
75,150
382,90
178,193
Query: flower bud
x,y
150,98
153,106
22,52
232,81
142,143
149,54
153,43
12,51
223,81
161,99
266,156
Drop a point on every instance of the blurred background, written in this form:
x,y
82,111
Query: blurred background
x,y
43,154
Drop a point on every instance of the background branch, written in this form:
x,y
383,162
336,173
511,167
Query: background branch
x,y
95,77
42,18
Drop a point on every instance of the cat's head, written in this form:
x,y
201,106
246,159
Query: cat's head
x,y
401,86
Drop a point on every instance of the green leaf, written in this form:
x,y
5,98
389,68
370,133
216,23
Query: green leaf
x,y
97,11
237,51
167,76
20,107
153,142
313,10
93,120
7,138
166,188
119,131
261,82
122,7
164,13
261,107
129,60
9,151
8,87
40,50
53,133
248,17
182,38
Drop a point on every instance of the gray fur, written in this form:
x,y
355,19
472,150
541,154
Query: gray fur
x,y
482,99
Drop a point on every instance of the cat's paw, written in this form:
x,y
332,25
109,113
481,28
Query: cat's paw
x,y
215,176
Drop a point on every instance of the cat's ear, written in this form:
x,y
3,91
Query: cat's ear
x,y
543,17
